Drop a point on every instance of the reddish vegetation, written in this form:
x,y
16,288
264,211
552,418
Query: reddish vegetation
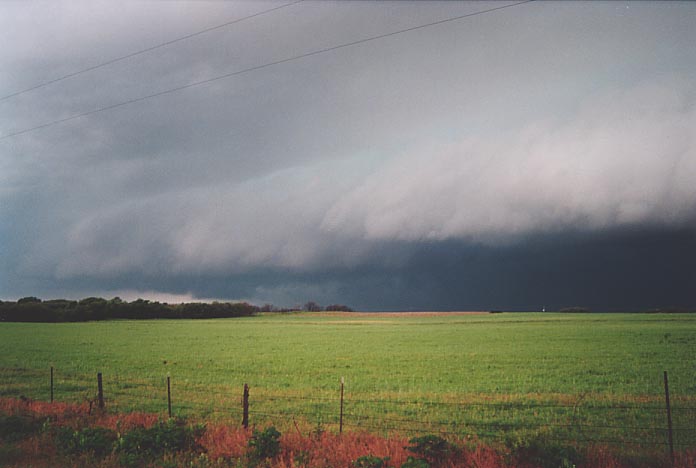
x,y
54,411
76,415
336,450
224,445
225,441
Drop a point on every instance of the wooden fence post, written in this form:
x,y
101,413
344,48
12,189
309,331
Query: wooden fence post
x,y
340,421
51,384
100,391
245,407
669,420
169,396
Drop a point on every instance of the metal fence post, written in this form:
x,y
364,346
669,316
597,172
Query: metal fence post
x,y
669,420
340,423
169,397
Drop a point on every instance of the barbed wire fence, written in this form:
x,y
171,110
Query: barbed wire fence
x,y
669,425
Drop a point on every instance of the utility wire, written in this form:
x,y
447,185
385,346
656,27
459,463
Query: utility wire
x,y
142,51
260,67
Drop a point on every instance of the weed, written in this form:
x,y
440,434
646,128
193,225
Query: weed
x,y
14,428
544,453
431,448
9,454
412,462
319,429
264,444
371,461
302,458
140,444
97,441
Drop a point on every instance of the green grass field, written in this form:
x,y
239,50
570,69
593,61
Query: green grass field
x,y
574,376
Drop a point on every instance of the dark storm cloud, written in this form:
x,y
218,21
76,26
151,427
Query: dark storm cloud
x,y
620,270
355,176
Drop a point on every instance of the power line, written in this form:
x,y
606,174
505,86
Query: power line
x,y
259,67
148,49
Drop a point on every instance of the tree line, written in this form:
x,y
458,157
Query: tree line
x,y
33,309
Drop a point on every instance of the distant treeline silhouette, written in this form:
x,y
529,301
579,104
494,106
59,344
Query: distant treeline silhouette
x,y
33,309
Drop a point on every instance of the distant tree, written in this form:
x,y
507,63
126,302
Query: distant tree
x,y
60,303
89,301
312,306
338,308
28,300
574,309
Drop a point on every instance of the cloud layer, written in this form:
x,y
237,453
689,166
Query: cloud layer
x,y
624,159
627,158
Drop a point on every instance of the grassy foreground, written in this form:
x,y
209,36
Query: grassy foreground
x,y
49,435
510,377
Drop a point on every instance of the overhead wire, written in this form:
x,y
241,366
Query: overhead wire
x,y
259,67
147,49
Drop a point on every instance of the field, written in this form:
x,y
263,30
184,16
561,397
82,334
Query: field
x,y
596,378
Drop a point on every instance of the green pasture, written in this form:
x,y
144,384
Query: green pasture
x,y
592,376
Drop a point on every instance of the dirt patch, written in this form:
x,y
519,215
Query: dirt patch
x,y
395,314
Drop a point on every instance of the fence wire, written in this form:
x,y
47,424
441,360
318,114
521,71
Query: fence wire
x,y
580,422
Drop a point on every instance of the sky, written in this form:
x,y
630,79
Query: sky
x,y
541,155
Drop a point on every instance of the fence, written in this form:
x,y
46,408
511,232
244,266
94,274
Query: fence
x,y
659,423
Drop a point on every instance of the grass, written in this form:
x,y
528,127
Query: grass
x,y
500,376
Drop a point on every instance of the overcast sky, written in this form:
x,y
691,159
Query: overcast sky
x,y
538,155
